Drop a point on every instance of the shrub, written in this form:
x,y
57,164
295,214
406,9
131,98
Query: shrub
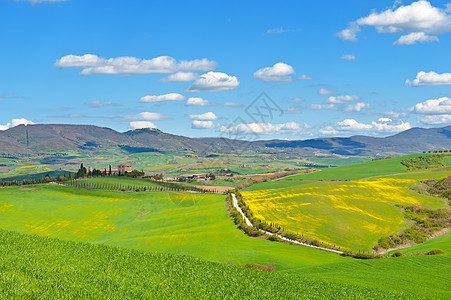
x,y
397,254
435,252
274,238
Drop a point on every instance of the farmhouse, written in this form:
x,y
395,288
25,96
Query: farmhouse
x,y
122,168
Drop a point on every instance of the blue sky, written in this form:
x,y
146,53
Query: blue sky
x,y
330,68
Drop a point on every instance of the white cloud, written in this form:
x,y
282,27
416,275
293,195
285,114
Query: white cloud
x,y
395,114
435,120
430,78
342,99
93,64
266,128
357,107
162,98
414,37
305,77
233,104
353,125
147,116
433,106
329,131
322,106
348,57
181,77
323,91
383,125
279,72
196,124
418,17
197,101
142,124
15,122
97,103
209,116
293,109
214,82
385,120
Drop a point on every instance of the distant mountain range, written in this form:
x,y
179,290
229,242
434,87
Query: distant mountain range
x,y
33,139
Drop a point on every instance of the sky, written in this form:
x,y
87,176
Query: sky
x,y
238,69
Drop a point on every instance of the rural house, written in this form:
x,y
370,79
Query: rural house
x,y
124,168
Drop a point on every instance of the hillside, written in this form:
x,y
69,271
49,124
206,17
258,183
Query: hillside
x,y
51,268
86,138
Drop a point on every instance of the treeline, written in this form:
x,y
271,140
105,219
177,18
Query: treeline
x,y
424,162
46,179
155,187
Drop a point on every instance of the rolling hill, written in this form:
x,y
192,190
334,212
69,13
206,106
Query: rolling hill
x,y
44,138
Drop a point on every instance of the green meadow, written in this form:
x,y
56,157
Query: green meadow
x,y
179,223
39,268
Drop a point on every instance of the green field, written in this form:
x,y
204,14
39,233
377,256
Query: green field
x,y
36,267
442,242
180,223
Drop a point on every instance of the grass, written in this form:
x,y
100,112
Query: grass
x,y
442,242
120,181
349,214
40,268
363,170
179,223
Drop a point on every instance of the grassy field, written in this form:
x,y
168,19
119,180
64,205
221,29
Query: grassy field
x,y
36,267
120,181
351,214
442,242
180,223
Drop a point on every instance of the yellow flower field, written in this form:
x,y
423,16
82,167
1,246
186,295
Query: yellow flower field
x,y
349,214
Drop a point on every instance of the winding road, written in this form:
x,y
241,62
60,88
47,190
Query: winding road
x,y
248,223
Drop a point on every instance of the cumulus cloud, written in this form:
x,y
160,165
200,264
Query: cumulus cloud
x,y
323,106
430,78
384,120
93,64
209,116
214,82
305,77
415,37
433,106
348,57
181,77
147,116
266,128
435,120
197,124
15,122
97,103
197,101
279,72
142,124
419,17
357,107
323,91
342,99
374,127
295,109
162,98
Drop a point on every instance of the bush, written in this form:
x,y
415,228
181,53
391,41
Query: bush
x,y
274,238
435,252
290,236
396,254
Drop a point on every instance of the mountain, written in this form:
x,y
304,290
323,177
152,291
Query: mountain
x,y
87,138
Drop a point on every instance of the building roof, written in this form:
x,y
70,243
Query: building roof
x,y
124,165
